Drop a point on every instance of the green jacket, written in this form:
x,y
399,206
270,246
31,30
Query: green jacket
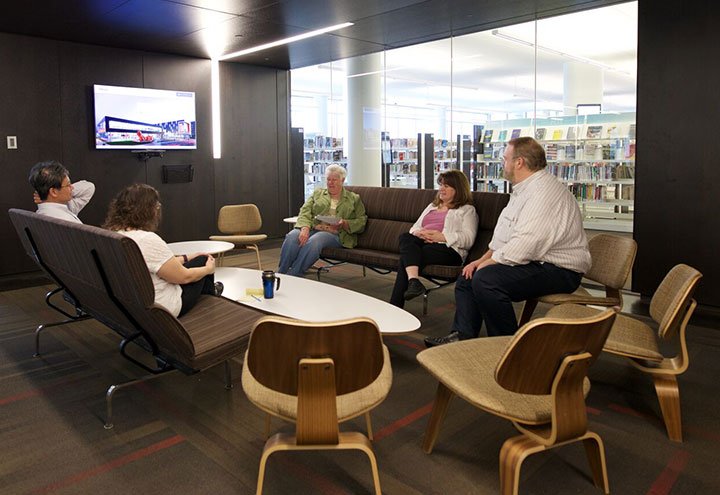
x,y
349,208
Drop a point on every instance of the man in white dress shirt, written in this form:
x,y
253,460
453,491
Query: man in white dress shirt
x,y
56,196
538,247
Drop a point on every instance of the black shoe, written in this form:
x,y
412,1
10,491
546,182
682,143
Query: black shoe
x,y
219,287
448,339
415,288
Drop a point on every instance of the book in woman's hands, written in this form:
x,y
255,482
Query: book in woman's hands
x,y
327,219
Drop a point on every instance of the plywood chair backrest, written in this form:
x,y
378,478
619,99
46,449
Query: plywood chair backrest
x,y
277,345
672,298
239,219
74,251
612,259
532,359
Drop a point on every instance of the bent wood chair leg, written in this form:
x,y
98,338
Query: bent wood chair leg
x,y
668,394
527,311
369,426
596,458
346,441
257,254
512,454
437,415
114,388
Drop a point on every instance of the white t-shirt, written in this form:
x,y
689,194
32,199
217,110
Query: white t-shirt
x,y
156,252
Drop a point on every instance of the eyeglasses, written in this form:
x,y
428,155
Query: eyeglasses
x,y
66,185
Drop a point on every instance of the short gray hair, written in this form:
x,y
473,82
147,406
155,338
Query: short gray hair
x,y
337,170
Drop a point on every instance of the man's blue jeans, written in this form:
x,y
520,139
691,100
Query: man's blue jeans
x,y
295,260
489,294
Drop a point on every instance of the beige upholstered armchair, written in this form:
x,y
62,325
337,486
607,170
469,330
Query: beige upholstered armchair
x,y
612,261
316,375
537,379
237,222
670,308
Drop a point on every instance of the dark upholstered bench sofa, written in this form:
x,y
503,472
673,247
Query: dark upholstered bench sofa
x,y
392,211
107,278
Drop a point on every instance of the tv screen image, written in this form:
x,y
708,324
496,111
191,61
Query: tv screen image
x,y
141,118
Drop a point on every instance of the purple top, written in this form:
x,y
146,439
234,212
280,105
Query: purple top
x,y
434,220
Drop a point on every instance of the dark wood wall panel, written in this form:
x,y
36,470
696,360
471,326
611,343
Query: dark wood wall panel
x,y
252,150
29,95
46,100
677,200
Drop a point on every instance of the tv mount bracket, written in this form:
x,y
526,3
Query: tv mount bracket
x,y
145,155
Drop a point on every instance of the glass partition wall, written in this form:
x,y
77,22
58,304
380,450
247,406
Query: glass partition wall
x,y
399,117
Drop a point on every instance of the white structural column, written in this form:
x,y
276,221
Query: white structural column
x,y
321,102
582,84
364,120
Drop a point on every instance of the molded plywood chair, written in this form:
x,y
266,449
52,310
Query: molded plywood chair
x,y
537,379
612,261
670,308
238,221
316,375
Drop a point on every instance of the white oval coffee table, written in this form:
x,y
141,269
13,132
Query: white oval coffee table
x,y
209,247
309,300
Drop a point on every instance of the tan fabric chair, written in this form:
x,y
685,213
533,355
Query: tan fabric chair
x,y
670,308
537,379
316,375
612,261
239,221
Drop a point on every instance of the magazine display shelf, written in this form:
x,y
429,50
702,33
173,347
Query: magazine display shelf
x,y
599,171
319,152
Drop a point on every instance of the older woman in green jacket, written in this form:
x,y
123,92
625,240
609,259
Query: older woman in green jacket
x,y
332,217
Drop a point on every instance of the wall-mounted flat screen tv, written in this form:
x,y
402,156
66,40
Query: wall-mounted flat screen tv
x,y
141,118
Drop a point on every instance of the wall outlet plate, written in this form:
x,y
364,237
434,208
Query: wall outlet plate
x,y
12,142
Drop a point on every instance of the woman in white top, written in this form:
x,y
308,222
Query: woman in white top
x,y
442,235
179,280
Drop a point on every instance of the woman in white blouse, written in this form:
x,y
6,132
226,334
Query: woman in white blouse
x,y
178,280
442,235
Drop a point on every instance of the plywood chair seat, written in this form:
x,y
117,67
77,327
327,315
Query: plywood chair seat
x,y
240,240
237,224
612,260
628,337
581,296
349,405
316,375
471,364
536,378
671,307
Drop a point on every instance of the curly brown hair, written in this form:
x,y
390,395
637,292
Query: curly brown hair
x,y
458,181
137,207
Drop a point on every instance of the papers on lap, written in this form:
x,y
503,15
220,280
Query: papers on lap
x,y
328,220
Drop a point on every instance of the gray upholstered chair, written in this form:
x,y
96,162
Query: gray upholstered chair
x,y
612,260
316,375
670,308
238,222
537,379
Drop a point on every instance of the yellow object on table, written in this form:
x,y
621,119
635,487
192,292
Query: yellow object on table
x,y
253,292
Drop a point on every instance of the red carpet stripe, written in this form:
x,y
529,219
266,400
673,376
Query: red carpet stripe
x,y
32,393
700,432
406,343
593,411
403,422
120,461
632,412
669,475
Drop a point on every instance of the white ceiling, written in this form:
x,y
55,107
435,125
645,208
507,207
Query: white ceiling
x,y
484,72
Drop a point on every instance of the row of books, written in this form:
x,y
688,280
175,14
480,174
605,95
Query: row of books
x,y
403,168
599,192
569,133
323,156
401,156
591,151
598,172
322,142
445,154
489,171
318,168
404,143
491,187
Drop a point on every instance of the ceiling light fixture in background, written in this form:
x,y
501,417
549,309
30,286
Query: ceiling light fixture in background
x,y
496,32
285,41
